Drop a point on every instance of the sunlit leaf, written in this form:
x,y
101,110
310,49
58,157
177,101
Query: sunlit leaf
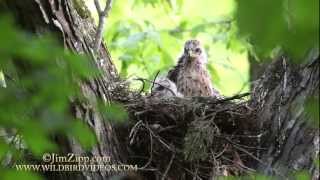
x,y
36,139
133,40
2,80
25,175
81,65
115,112
137,55
214,74
83,134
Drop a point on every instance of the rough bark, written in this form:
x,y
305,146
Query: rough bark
x,y
276,105
256,69
75,32
280,97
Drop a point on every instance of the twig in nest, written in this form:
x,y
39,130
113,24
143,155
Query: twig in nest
x,y
102,15
245,151
134,131
143,84
220,153
159,139
238,96
243,167
143,80
154,80
168,168
151,152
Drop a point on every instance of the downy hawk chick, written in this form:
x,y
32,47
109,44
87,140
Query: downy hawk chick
x,y
163,87
190,74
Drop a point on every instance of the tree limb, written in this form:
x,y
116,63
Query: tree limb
x,y
102,15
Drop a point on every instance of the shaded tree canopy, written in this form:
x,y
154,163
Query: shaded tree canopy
x,y
60,94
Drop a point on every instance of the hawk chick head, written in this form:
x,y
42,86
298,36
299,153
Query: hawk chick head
x,y
194,51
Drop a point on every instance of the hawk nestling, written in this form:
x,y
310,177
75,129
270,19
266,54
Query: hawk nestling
x,y
190,74
163,87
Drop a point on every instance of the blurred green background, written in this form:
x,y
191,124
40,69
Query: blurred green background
x,y
147,36
143,37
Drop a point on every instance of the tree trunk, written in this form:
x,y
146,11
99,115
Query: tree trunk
x,y
276,106
256,69
77,34
291,139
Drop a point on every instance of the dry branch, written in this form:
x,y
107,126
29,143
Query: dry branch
x,y
102,16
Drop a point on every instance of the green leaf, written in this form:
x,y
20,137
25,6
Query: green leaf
x,y
80,65
303,21
166,57
37,140
214,73
83,134
263,23
312,110
303,175
291,25
11,39
2,80
133,40
18,175
180,3
115,112
40,51
4,148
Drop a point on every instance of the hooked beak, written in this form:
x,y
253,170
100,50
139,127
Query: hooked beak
x,y
191,54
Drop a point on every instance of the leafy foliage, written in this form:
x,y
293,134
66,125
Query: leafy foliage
x,y
37,76
116,112
145,37
40,77
292,26
11,174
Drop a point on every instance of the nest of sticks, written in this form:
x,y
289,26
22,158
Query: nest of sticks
x,y
191,138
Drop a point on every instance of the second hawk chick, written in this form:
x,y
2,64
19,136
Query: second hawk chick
x,y
190,74
163,87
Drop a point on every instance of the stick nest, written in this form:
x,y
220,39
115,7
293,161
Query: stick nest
x,y
191,138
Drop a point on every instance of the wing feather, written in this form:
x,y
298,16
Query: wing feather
x,y
173,73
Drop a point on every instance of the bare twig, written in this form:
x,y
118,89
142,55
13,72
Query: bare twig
x,y
238,96
143,84
142,79
159,139
151,152
168,168
245,151
154,80
134,131
98,7
102,15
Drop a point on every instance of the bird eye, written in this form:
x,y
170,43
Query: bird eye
x,y
198,50
160,88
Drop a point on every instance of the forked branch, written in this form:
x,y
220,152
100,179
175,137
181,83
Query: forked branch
x,y
102,16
